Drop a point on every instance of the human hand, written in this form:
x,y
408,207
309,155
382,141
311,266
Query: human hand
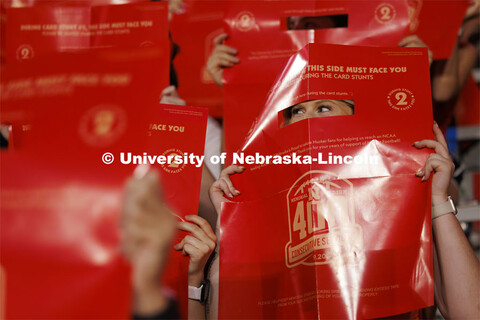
x,y
175,7
147,228
224,186
199,245
169,95
473,9
438,163
223,56
414,41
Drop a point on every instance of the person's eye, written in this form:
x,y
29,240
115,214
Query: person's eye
x,y
311,25
296,111
323,108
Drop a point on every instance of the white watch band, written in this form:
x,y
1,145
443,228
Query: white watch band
x,y
195,293
444,208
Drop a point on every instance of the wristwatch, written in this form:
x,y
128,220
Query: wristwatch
x,y
444,208
200,293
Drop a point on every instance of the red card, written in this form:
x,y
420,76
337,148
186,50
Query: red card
x,y
60,200
260,34
70,26
193,30
348,231
439,37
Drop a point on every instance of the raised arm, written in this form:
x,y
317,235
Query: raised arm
x,y
198,245
147,228
456,268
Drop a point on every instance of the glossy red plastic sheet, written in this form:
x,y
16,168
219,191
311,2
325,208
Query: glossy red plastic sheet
x,y
33,3
60,203
261,36
69,26
334,240
193,30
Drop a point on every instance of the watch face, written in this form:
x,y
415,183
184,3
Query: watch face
x,y
452,204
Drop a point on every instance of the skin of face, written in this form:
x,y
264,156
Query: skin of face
x,y
319,108
303,23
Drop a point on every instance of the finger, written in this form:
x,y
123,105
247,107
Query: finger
x,y
179,246
197,251
173,100
168,90
220,38
175,6
220,62
140,202
231,188
216,197
187,250
194,252
135,186
446,165
225,176
415,44
141,171
152,181
196,232
145,183
194,246
153,195
166,100
435,163
203,224
224,56
439,136
227,60
231,170
409,39
222,48
472,9
223,185
431,144
221,190
130,206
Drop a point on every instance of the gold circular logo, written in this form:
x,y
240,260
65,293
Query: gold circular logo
x,y
172,166
25,52
385,13
245,21
401,99
102,125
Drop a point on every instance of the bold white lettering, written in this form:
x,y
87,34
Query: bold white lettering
x,y
238,158
125,161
